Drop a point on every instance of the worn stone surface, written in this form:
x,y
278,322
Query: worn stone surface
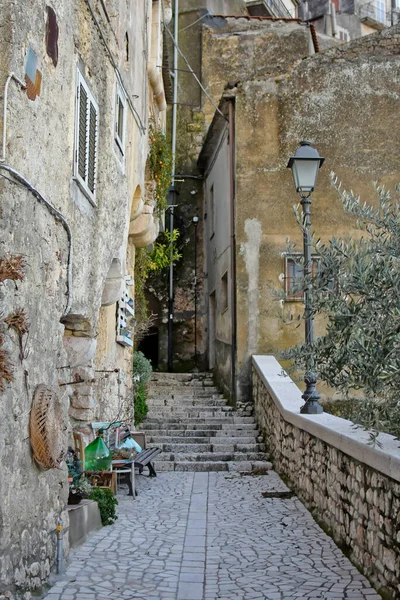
x,y
41,147
359,505
209,536
196,430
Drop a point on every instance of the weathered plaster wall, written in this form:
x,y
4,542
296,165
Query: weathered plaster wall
x,y
61,348
344,101
217,247
352,487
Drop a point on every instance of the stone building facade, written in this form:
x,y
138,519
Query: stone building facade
x,y
80,82
343,100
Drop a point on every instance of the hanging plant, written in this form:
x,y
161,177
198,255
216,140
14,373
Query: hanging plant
x,y
160,167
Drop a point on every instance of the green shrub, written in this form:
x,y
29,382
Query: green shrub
x,y
107,503
141,368
141,372
141,408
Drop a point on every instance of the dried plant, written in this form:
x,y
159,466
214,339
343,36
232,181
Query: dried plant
x,y
12,267
17,321
142,327
6,375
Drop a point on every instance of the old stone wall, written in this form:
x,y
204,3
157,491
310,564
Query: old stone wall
x,y
343,100
351,486
70,344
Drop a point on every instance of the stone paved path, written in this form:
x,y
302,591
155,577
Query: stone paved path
x,y
209,536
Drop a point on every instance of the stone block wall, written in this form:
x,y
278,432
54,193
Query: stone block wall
x,y
352,487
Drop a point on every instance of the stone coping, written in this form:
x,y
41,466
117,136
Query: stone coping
x,y
335,431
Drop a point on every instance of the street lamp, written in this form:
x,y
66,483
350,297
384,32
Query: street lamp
x,y
305,165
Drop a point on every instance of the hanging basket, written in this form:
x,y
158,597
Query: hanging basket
x,y
47,428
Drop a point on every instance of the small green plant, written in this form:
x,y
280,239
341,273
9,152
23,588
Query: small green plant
x,y
141,408
107,504
154,261
141,368
165,251
141,372
160,166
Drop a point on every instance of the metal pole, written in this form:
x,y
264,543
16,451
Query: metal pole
x,y
171,209
195,294
310,396
171,295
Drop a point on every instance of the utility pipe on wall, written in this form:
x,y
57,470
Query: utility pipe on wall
x,y
21,83
171,209
233,247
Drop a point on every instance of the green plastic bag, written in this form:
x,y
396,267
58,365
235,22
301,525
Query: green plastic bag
x,y
98,456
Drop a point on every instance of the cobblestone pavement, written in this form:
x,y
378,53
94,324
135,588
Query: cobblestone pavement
x,y
209,536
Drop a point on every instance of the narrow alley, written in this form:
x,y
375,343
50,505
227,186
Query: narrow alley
x,y
209,536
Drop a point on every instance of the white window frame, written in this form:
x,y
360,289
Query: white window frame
x,y
224,296
83,181
211,210
380,11
120,97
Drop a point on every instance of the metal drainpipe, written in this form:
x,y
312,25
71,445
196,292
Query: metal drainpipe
x,y
60,546
21,83
171,210
233,248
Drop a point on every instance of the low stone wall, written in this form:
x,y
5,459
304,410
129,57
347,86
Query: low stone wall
x,y
352,487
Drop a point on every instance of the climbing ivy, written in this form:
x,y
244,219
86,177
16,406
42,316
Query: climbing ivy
x,y
155,260
160,167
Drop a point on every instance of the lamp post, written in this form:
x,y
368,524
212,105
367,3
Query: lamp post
x,y
195,222
305,165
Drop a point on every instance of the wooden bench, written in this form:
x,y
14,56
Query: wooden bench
x,y
144,458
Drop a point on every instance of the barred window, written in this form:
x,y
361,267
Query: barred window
x,y
86,138
294,277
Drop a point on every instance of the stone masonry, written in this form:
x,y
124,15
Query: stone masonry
x,y
358,505
211,536
197,431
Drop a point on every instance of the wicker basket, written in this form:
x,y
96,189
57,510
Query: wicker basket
x,y
48,430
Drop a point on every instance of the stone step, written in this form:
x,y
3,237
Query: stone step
x,y
210,456
196,427
155,392
154,403
174,448
203,412
235,467
181,379
201,433
201,420
158,440
200,466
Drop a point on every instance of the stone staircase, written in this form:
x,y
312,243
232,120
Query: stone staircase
x,y
189,420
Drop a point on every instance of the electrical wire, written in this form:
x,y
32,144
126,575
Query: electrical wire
x,y
19,179
114,64
193,73
196,21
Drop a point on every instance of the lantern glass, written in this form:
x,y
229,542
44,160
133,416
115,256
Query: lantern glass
x,y
305,174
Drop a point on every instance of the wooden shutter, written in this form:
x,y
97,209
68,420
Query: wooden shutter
x,y
82,132
92,147
86,139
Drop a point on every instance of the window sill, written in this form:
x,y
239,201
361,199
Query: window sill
x,y
85,191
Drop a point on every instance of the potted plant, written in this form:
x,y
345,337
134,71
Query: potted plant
x,y
79,485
